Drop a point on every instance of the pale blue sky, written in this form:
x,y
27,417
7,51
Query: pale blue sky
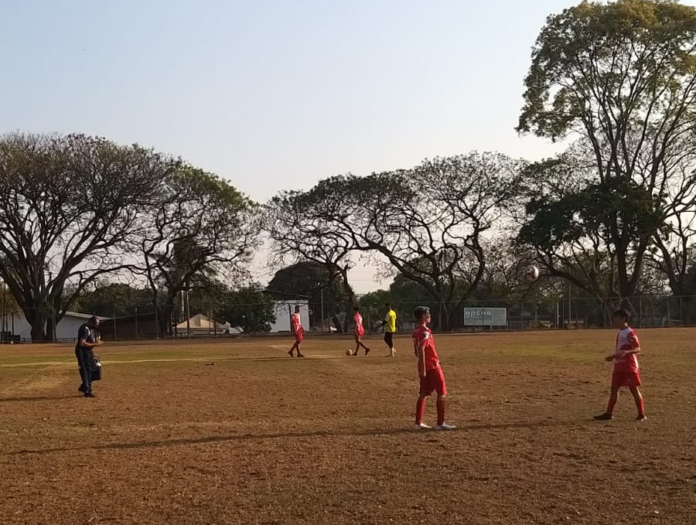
x,y
275,94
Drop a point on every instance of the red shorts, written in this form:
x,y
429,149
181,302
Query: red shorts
x,y
434,381
358,335
625,378
299,336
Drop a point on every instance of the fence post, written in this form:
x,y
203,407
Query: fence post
x,y
640,311
114,313
681,310
136,323
157,326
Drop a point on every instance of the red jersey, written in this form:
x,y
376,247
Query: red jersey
x,y
423,336
296,324
359,329
626,339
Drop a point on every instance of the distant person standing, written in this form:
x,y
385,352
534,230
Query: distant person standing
x,y
87,340
298,331
359,331
389,325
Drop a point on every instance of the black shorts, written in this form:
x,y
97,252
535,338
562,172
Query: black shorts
x,y
389,339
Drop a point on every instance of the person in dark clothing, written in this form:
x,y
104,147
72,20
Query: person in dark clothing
x,y
87,340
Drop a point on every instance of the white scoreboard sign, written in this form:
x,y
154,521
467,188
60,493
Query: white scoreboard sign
x,y
485,316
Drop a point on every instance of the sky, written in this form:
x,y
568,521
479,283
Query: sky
x,y
276,94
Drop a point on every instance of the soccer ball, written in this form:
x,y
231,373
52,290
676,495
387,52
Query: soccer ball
x,y
349,352
531,273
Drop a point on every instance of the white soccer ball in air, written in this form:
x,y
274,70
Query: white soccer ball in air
x,y
349,352
531,273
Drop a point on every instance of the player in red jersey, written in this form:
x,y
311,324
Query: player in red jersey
x,y
296,325
626,366
429,371
359,332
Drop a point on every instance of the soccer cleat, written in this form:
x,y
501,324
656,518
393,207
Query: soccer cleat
x,y
604,417
367,351
290,353
300,355
445,426
90,394
81,388
421,426
642,417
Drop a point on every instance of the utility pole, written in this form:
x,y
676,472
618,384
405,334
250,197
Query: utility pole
x,y
322,309
570,305
188,315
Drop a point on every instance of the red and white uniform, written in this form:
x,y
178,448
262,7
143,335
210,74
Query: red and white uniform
x,y
434,379
359,328
626,367
297,327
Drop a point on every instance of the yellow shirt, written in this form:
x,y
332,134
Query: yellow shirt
x,y
390,321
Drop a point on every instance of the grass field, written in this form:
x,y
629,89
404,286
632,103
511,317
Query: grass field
x,y
226,432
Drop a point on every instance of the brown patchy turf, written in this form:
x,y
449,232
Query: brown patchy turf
x,y
259,438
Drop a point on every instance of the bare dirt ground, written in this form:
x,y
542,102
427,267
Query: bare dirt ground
x,y
227,432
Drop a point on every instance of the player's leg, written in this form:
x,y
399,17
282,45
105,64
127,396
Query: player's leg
x,y
613,398
438,381
81,388
85,372
640,405
389,340
292,349
359,344
420,410
299,352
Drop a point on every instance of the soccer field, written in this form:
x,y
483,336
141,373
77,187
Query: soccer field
x,y
226,432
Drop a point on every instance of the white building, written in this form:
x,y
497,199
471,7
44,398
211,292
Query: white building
x,y
66,329
283,311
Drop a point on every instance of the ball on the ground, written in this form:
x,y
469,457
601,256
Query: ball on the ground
x,y
531,273
349,352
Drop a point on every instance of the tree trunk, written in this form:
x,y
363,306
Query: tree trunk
x,y
446,322
164,314
36,317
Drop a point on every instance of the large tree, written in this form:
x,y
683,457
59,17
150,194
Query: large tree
x,y
68,206
200,226
250,309
312,281
426,223
113,300
622,77
299,235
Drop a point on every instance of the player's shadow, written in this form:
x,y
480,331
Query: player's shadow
x,y
290,435
34,398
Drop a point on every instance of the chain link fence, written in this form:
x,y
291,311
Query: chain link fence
x,y
150,322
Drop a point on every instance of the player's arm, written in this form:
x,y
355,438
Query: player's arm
x,y
422,372
85,344
635,345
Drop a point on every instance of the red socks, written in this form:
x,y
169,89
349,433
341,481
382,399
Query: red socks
x,y
440,411
420,410
640,404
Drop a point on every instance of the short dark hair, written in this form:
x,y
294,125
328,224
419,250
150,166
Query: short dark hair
x,y
622,314
421,311
298,307
93,320
387,305
357,308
